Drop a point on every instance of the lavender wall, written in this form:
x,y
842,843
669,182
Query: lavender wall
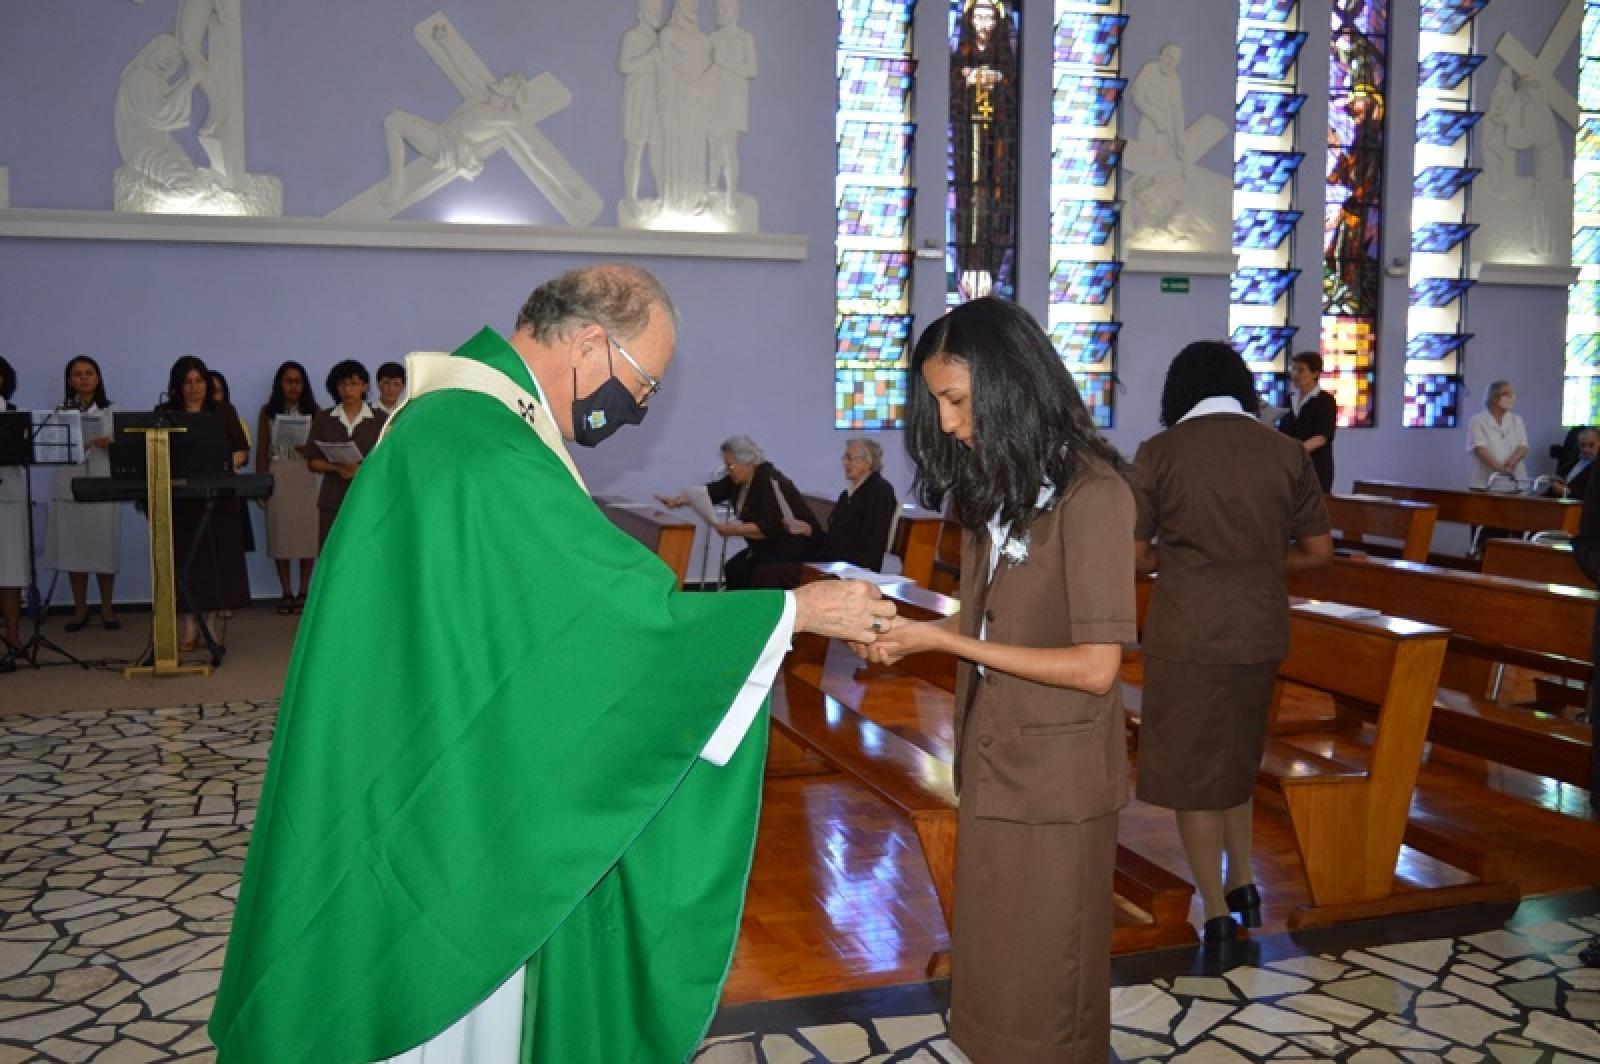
x,y
756,342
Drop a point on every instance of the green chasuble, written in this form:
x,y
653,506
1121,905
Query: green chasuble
x,y
487,757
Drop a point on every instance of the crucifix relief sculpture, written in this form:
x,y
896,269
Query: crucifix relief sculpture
x,y
1523,200
1174,204
496,114
204,57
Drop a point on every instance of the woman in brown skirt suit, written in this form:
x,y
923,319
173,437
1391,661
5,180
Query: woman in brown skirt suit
x,y
348,420
997,428
1226,507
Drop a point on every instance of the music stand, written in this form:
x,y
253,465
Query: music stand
x,y
45,438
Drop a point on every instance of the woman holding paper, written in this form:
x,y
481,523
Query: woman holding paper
x,y
342,436
283,431
770,514
86,537
1226,506
217,579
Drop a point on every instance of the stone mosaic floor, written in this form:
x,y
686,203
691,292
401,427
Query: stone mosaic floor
x,y
122,834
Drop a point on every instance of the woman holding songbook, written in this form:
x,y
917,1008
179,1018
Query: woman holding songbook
x,y
283,432
217,578
997,430
13,538
1227,507
86,537
341,437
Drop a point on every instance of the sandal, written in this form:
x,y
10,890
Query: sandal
x,y
77,624
110,624
286,606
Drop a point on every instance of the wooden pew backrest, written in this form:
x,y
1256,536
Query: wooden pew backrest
x,y
1357,519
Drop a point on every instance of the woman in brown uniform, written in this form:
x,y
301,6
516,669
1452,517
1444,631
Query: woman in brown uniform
x,y
1047,592
1226,507
348,420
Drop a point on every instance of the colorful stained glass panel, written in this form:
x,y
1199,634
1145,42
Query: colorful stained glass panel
x,y
1258,287
1440,237
1267,114
1433,401
1265,171
1088,39
875,25
1261,229
1443,128
1088,99
1083,222
1443,182
872,337
1086,161
1448,16
1268,54
874,83
1085,343
1083,283
1447,70
1439,291
875,212
881,149
1262,343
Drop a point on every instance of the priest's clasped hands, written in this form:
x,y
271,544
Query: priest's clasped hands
x,y
852,610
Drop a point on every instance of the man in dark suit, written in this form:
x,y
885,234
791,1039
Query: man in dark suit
x,y
1575,481
1313,416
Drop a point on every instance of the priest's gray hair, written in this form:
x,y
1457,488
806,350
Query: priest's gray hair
x,y
616,296
873,448
743,449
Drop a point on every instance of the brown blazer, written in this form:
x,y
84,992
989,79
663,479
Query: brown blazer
x,y
1225,495
327,428
1025,751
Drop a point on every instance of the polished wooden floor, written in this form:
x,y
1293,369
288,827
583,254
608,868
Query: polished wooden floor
x,y
839,898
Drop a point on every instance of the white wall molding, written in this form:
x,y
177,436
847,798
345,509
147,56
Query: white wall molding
x,y
33,224
1206,263
1533,274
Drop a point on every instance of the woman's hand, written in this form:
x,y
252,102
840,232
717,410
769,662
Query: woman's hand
x,y
347,471
905,638
730,528
797,527
672,502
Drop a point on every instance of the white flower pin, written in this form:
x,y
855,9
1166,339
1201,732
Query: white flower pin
x,y
1015,550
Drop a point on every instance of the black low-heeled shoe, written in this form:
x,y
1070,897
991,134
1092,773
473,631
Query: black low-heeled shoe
x,y
110,624
1245,901
78,625
1219,930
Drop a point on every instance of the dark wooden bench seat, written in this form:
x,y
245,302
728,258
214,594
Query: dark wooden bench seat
x,y
1391,527
1492,619
1543,563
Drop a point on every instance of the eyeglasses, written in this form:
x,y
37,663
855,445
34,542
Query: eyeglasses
x,y
652,385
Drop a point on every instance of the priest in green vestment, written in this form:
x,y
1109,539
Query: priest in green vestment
x,y
512,798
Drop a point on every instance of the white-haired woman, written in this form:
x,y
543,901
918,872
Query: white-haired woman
x,y
770,514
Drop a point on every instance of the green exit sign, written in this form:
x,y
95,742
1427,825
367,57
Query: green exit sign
x,y
1175,285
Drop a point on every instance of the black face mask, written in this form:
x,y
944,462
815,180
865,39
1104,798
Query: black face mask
x,y
603,411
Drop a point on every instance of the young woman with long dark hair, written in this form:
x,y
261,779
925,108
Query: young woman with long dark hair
x,y
998,431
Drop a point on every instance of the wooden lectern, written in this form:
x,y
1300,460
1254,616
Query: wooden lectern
x,y
163,595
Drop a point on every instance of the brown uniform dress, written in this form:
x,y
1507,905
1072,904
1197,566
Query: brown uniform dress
x,y
1224,495
1042,772
327,428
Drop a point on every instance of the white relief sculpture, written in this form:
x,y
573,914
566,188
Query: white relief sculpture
x,y
496,114
1522,202
1174,204
155,99
641,122
701,105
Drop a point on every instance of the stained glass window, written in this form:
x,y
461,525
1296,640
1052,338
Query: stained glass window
x,y
1352,258
1436,340
1086,155
873,198
981,149
1580,403
1265,159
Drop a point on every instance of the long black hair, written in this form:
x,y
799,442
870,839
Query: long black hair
x,y
1203,370
71,397
1028,422
185,365
8,381
279,404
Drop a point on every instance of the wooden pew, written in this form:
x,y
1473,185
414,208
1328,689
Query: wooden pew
x,y
920,541
1519,513
1492,619
670,538
1153,904
1544,563
1351,817
1357,519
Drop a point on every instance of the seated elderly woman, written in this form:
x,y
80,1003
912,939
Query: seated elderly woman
x,y
770,514
858,526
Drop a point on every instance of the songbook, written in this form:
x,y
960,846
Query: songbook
x,y
290,431
700,502
340,453
1339,610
